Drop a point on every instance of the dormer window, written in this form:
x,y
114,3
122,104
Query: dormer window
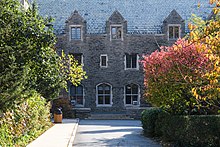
x,y
116,32
75,32
173,31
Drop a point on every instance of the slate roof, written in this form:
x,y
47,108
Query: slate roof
x,y
143,16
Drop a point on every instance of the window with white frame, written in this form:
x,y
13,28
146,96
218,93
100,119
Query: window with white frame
x,y
76,95
131,94
78,57
76,32
131,61
104,94
116,32
173,31
103,60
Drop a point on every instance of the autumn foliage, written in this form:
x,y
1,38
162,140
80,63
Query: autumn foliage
x,y
185,78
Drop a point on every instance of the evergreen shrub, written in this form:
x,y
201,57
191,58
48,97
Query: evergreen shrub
x,y
180,130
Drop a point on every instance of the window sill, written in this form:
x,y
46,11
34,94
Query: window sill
x,y
79,106
103,66
130,105
132,69
104,105
117,39
76,40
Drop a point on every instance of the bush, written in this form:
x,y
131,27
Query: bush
x,y
173,74
197,130
24,122
191,130
63,103
148,119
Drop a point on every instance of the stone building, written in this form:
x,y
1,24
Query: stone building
x,y
109,37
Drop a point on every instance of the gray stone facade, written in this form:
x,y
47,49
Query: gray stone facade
x,y
91,46
116,29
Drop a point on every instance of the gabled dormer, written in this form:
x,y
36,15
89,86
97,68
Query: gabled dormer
x,y
173,26
116,26
76,27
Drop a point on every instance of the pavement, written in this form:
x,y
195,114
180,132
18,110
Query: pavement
x,y
83,133
112,133
60,135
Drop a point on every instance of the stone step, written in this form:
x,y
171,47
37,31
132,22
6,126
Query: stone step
x,y
109,117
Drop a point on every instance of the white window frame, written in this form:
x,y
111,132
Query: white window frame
x,y
79,105
104,55
70,32
111,26
137,63
173,25
138,100
104,105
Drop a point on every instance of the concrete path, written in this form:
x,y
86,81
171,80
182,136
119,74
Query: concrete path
x,y
60,135
114,133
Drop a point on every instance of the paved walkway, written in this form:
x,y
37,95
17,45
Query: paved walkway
x,y
60,135
111,133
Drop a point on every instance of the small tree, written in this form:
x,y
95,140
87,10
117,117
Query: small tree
x,y
207,32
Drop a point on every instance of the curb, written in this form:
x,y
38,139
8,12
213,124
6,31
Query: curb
x,y
73,134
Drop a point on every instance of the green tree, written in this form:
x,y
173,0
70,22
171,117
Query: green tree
x,y
28,60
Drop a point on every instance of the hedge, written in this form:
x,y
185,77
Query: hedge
x,y
148,118
25,122
191,130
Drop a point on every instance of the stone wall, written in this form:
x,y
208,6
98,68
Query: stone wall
x,y
115,74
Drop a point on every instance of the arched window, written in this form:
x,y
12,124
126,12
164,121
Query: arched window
x,y
76,95
104,94
131,94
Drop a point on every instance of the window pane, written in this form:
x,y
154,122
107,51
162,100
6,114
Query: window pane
x,y
100,99
128,61
79,100
76,33
134,61
128,99
113,33
135,98
79,90
128,89
72,33
107,99
171,35
113,30
107,89
176,31
100,89
103,61
134,89
119,33
72,90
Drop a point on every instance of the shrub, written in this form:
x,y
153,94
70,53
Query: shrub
x,y
173,74
148,119
195,130
25,122
63,103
